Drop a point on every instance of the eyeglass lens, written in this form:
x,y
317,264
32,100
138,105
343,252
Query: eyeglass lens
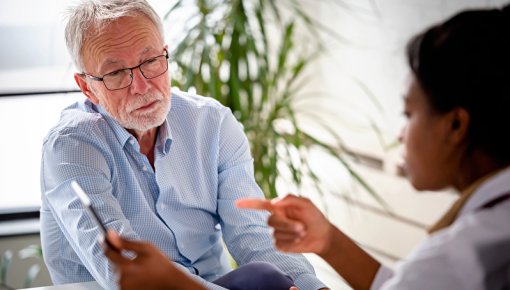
x,y
123,78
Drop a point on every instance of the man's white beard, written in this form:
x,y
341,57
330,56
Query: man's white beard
x,y
130,119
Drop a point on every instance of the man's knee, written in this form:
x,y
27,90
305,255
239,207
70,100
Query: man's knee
x,y
256,276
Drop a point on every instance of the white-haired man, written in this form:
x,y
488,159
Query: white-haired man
x,y
158,166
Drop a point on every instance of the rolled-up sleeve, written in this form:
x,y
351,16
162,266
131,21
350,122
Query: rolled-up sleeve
x,y
67,157
246,233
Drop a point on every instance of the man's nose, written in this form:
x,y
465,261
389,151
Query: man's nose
x,y
139,85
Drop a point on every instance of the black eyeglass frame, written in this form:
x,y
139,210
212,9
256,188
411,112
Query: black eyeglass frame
x,y
101,79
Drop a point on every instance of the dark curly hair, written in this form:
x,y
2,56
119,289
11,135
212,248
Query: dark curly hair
x,y
465,62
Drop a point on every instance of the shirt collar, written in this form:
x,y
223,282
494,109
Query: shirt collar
x,y
120,132
475,196
494,187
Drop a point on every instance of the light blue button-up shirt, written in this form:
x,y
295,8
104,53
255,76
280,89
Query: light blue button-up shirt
x,y
185,206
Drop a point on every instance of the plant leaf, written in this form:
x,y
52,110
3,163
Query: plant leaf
x,y
4,266
31,251
31,275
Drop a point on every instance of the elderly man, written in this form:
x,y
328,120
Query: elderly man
x,y
158,166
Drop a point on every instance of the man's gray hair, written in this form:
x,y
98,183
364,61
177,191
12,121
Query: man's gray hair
x,y
90,16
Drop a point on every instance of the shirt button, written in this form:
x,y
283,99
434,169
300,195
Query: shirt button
x,y
162,206
132,141
144,168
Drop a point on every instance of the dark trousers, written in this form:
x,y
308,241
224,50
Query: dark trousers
x,y
255,276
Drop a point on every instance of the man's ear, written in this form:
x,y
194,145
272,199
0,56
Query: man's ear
x,y
84,87
460,121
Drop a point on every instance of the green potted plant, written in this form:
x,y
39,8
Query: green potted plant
x,y
245,54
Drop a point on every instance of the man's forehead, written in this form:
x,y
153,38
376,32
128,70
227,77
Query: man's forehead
x,y
116,62
121,42
110,60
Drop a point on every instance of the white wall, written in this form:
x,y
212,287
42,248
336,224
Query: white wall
x,y
377,32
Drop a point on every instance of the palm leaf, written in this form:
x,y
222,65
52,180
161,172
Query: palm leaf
x,y
233,60
31,275
4,266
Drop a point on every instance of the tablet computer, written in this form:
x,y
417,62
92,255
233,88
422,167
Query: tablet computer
x,y
85,200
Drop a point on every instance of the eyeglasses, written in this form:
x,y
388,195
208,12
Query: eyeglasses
x,y
122,78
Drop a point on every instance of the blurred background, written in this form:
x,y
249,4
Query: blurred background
x,y
335,68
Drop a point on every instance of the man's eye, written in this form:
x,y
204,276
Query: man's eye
x,y
115,73
152,60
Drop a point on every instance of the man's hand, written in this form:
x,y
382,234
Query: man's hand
x,y
150,269
298,225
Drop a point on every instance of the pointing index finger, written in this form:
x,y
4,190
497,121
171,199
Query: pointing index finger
x,y
258,204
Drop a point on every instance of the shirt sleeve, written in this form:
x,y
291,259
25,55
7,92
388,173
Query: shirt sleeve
x,y
68,156
443,261
383,274
246,233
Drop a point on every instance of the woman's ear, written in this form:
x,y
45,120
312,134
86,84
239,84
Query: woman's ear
x,y
84,87
460,120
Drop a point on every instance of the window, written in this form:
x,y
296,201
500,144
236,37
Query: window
x,y
33,59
